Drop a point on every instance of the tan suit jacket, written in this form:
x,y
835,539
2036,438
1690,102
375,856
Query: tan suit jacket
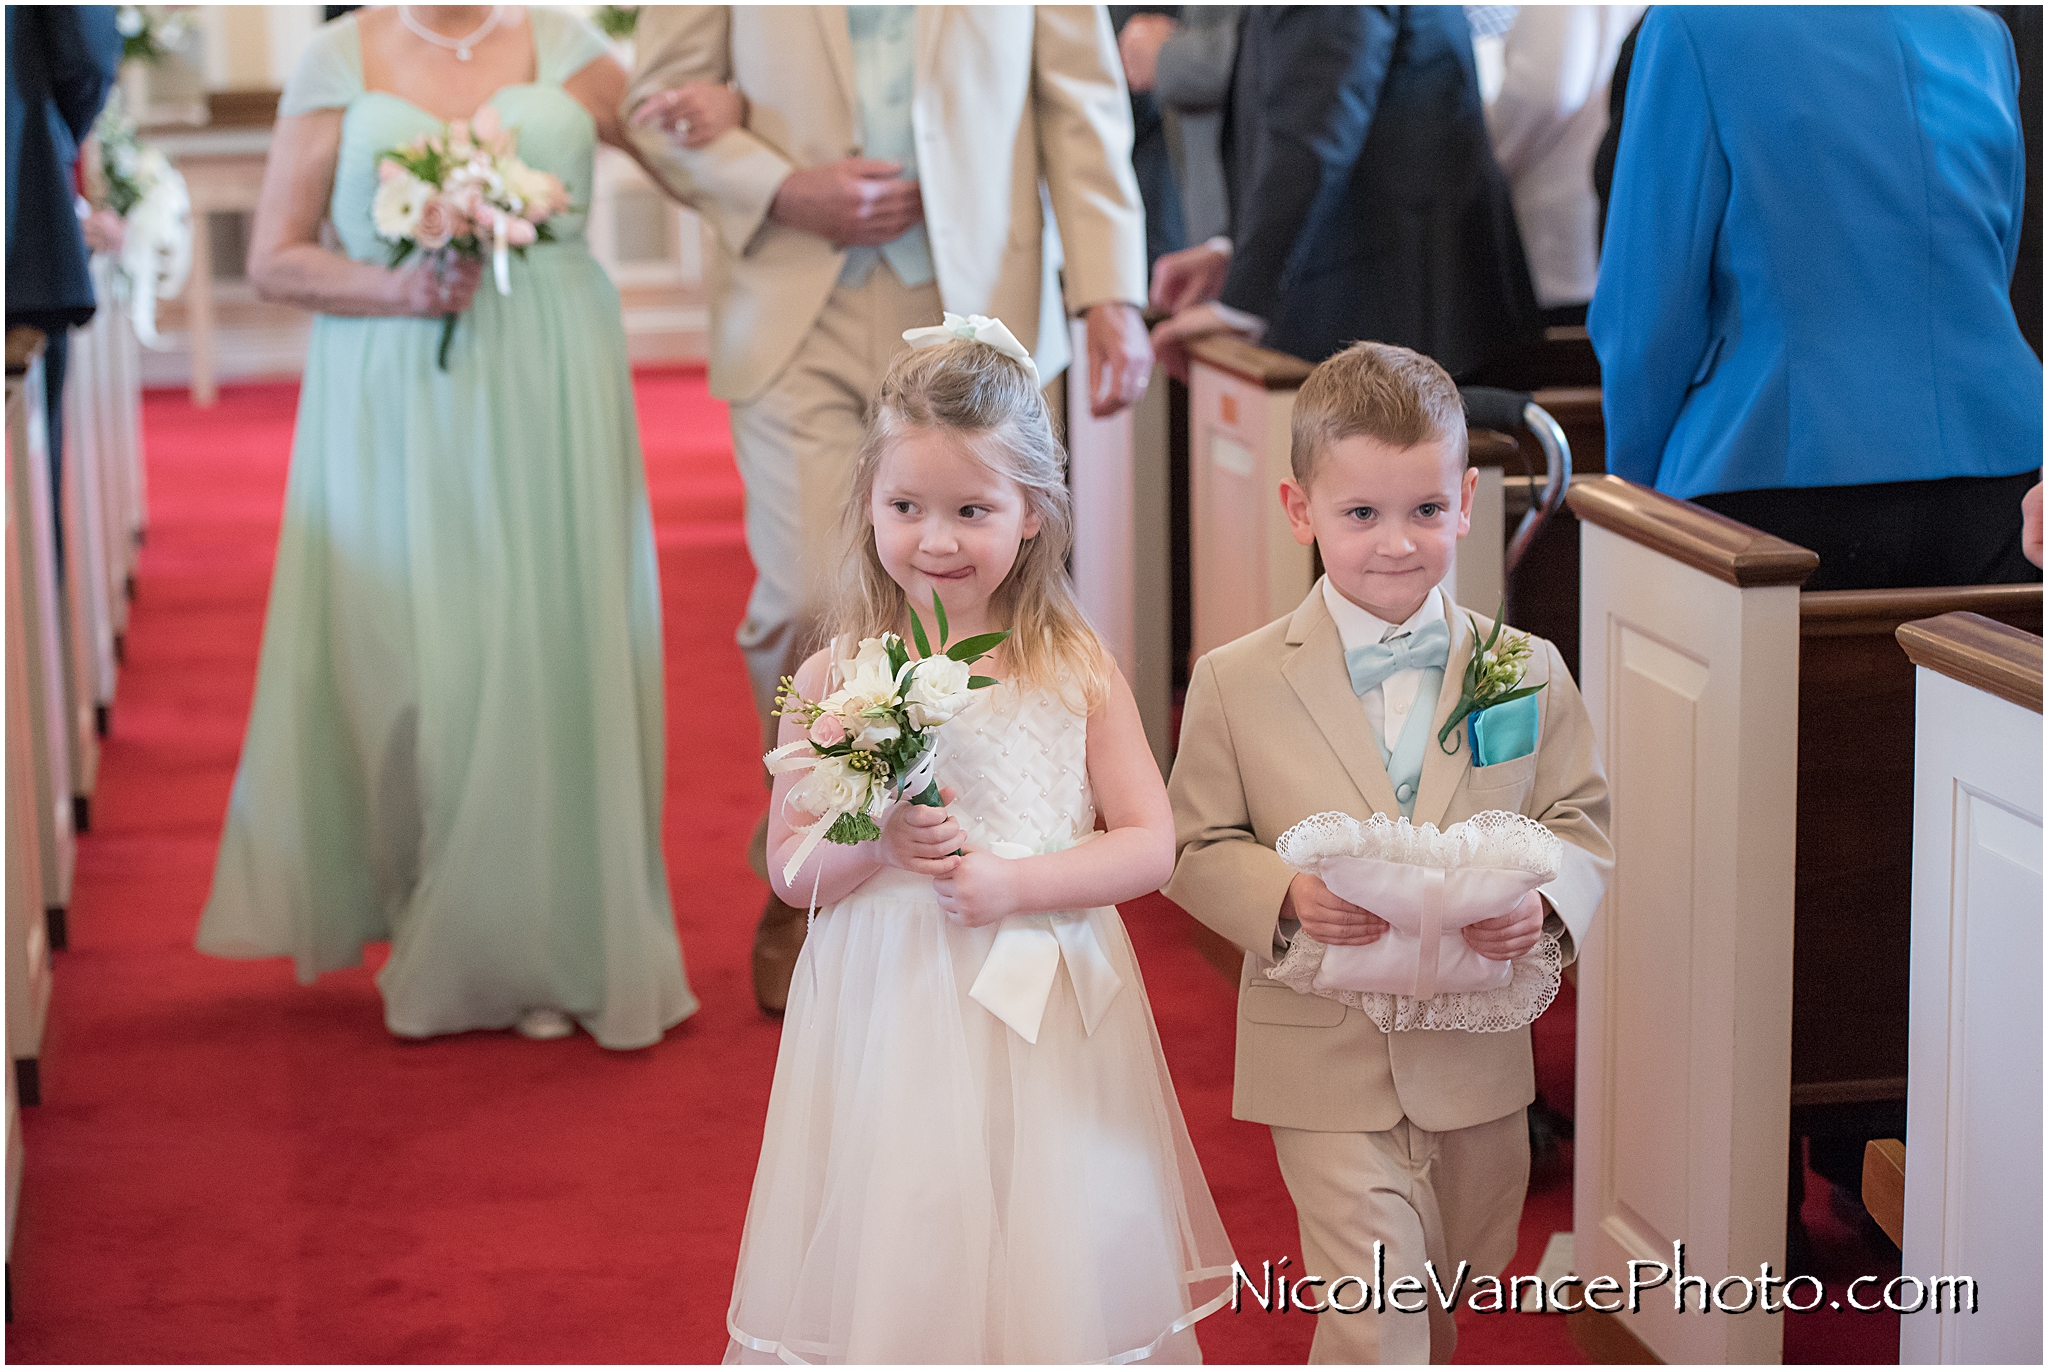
x,y
1014,107
1271,734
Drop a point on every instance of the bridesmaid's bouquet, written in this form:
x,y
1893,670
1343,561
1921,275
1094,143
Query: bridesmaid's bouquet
x,y
464,192
871,739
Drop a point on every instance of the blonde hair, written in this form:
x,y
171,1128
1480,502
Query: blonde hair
x,y
995,406
1374,390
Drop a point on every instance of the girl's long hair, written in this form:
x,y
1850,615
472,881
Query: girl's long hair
x,y
994,404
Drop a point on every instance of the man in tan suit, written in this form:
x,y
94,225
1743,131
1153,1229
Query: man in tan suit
x,y
1415,1139
895,161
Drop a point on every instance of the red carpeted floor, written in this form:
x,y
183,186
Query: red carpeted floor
x,y
230,1167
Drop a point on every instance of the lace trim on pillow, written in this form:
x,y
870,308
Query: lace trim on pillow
x,y
1515,1005
1493,840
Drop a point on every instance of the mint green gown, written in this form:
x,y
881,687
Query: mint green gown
x,y
456,741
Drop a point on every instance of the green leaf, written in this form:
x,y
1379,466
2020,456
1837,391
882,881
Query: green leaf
x,y
899,656
1510,696
924,646
1457,717
976,647
850,828
939,612
980,682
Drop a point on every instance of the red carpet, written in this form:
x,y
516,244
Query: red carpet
x,y
229,1167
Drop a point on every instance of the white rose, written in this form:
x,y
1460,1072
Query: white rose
x,y
871,733
831,786
869,676
396,209
938,690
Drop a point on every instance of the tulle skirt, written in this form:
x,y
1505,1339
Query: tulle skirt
x,y
934,1188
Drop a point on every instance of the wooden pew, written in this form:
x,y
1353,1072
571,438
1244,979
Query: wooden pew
x,y
1246,568
1119,470
1759,748
33,568
89,561
1973,1167
28,946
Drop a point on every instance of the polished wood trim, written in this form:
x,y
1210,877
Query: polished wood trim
x,y
242,108
1884,1186
1876,1091
1261,366
1486,447
1567,333
24,345
1573,403
1832,613
1607,1340
1977,651
1702,539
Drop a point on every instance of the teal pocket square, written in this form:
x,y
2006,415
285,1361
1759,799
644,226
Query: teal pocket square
x,y
1503,732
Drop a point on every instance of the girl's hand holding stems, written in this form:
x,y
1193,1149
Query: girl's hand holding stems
x,y
1133,857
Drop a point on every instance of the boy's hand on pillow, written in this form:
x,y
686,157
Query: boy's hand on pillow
x,y
1512,934
982,889
921,840
1328,919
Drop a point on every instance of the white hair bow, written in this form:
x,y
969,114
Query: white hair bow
x,y
978,328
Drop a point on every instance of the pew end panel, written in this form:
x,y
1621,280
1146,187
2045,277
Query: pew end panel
x,y
1689,665
1974,1090
28,947
1246,566
1120,474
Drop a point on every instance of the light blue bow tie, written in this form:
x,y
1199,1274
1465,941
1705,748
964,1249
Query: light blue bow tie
x,y
1427,646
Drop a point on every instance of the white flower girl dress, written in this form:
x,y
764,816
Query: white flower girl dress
x,y
934,1187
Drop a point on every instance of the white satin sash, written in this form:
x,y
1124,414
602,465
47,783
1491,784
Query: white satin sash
x,y
1016,980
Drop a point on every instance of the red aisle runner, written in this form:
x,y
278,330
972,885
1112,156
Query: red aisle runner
x,y
230,1167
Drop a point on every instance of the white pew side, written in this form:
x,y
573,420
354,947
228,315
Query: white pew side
x,y
1973,1154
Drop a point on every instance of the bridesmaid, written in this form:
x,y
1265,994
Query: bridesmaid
x,y
456,742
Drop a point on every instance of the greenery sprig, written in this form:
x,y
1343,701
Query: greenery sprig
x,y
1493,676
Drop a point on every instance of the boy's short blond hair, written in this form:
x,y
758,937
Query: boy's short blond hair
x,y
1375,390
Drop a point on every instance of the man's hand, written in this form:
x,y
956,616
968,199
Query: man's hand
x,y
1510,935
2030,525
1119,358
1139,43
853,202
1191,276
1172,337
1328,919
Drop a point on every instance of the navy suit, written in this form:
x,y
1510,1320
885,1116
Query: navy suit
x,y
61,61
1366,202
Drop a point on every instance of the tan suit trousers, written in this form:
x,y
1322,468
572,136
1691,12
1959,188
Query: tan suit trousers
x,y
795,445
1437,1196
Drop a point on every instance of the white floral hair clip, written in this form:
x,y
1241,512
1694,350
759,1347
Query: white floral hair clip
x,y
973,328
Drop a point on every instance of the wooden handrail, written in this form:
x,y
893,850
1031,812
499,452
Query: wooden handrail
x,y
1485,447
1259,365
1702,539
1828,613
1977,651
24,345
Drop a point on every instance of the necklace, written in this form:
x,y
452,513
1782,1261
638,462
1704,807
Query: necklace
x,y
460,46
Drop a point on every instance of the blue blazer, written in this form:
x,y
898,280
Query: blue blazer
x,y
61,61
1804,278
1364,196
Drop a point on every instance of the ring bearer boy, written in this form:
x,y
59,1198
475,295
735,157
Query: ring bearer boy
x,y
1414,1139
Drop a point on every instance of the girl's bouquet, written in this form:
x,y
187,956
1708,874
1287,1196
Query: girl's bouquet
x,y
456,191
871,739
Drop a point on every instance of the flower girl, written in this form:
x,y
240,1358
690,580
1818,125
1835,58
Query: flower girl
x,y
973,1152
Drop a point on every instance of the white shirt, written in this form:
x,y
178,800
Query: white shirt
x,y
1393,697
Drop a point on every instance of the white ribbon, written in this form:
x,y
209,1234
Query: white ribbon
x,y
1016,980
501,258
978,328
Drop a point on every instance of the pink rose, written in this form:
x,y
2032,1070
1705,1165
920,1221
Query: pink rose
x,y
389,170
828,731
438,224
519,233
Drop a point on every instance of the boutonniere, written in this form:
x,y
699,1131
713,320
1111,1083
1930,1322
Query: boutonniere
x,y
1493,676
